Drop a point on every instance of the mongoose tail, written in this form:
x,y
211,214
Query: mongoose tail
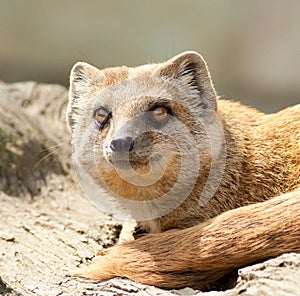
x,y
199,255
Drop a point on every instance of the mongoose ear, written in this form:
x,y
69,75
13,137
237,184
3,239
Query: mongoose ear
x,y
85,79
190,71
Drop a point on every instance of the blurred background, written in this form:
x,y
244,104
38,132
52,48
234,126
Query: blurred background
x,y
252,47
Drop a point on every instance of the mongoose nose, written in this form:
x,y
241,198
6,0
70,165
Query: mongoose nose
x,y
122,144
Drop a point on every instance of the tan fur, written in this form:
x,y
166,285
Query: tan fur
x,y
262,162
201,254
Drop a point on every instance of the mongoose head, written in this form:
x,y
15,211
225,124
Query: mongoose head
x,y
139,131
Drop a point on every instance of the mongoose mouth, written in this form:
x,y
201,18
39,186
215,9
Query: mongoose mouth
x,y
127,164
128,161
123,164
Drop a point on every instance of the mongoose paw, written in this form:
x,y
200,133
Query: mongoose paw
x,y
127,232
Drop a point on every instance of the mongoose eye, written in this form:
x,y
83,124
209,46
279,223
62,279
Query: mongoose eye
x,y
160,114
101,116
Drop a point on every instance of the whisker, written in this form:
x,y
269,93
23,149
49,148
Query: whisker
x,y
42,159
57,141
53,148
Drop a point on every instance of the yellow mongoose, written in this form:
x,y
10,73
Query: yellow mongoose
x,y
155,144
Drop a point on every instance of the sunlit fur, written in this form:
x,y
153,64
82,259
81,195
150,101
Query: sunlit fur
x,y
262,161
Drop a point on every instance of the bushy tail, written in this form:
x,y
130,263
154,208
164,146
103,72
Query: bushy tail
x,y
199,255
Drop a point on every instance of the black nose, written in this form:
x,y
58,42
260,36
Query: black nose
x,y
122,144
